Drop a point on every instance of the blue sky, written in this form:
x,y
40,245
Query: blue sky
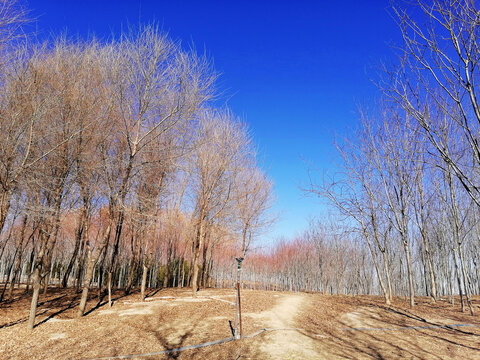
x,y
296,71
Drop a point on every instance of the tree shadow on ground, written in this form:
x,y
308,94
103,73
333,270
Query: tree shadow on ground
x,y
58,302
375,331
152,292
21,320
61,310
116,296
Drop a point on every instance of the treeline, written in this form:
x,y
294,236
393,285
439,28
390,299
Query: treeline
x,y
341,259
116,169
324,258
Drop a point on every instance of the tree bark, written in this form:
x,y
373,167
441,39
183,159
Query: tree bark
x,y
92,259
196,257
86,284
411,288
36,292
144,280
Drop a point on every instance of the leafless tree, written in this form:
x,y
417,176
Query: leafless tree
x,y
436,83
220,153
252,201
357,192
156,88
66,94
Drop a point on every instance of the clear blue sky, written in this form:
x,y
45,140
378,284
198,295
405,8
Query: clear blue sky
x,y
294,70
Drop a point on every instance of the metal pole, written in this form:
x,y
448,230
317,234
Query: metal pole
x,y
239,311
238,308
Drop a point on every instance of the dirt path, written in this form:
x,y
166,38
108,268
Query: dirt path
x,y
287,344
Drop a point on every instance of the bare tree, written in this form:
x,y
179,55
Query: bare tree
x,y
357,193
218,156
67,94
156,88
436,83
253,199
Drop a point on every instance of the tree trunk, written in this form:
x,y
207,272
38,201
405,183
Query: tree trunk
x,y
36,293
80,267
203,277
196,258
18,257
109,286
431,270
9,273
411,288
144,280
29,269
91,261
377,267
386,268
73,257
86,284
465,279
131,276
459,280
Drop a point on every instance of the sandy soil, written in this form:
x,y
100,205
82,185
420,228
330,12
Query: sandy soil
x,y
300,326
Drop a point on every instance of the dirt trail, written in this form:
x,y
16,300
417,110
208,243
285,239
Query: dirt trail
x,y
287,344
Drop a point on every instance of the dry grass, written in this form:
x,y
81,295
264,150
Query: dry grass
x,y
172,318
397,332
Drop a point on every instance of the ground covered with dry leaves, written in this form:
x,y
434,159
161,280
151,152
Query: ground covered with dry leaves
x,y
298,326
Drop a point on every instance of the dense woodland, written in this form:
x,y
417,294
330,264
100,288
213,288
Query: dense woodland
x,y
117,171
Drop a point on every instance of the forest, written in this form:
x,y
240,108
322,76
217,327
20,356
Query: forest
x,y
118,171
